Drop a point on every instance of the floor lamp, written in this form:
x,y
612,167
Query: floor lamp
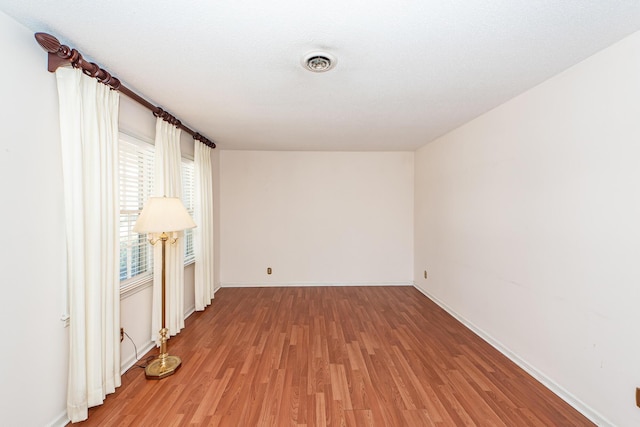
x,y
162,215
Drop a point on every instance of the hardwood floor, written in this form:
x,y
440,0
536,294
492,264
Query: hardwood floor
x,y
332,356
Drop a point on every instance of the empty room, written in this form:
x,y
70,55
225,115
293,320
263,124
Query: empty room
x,y
305,214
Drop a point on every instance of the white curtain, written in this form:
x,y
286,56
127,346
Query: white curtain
x,y
203,234
89,138
168,182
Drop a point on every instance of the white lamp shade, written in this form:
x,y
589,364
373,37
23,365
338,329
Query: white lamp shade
x,y
163,214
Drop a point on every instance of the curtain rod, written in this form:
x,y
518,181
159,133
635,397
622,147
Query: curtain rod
x,y
60,54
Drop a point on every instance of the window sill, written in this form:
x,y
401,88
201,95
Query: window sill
x,y
135,285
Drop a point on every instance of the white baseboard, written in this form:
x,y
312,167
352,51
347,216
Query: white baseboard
x,y
309,284
561,392
127,364
189,312
61,421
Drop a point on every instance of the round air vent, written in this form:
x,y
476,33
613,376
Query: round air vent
x,y
318,62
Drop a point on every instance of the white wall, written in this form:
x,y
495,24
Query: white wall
x,y
33,368
316,217
528,221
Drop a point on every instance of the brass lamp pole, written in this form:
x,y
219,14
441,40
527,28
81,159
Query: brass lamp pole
x,y
162,215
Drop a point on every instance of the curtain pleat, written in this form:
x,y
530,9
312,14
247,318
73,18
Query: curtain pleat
x,y
89,139
203,234
168,182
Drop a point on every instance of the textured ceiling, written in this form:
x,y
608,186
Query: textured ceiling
x,y
407,71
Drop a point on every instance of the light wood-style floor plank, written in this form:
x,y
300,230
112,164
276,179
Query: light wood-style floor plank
x,y
332,356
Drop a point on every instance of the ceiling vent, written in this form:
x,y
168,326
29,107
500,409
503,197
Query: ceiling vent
x,y
318,62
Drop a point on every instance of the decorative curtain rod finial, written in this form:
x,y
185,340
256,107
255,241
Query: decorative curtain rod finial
x,y
48,42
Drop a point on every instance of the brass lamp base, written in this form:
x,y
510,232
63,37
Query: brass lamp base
x,y
162,367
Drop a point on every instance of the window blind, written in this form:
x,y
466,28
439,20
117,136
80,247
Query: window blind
x,y
188,194
136,186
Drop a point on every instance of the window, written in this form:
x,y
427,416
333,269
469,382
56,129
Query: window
x,y
136,186
188,193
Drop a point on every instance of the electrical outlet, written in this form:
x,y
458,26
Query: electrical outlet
x,y
121,334
425,274
268,270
